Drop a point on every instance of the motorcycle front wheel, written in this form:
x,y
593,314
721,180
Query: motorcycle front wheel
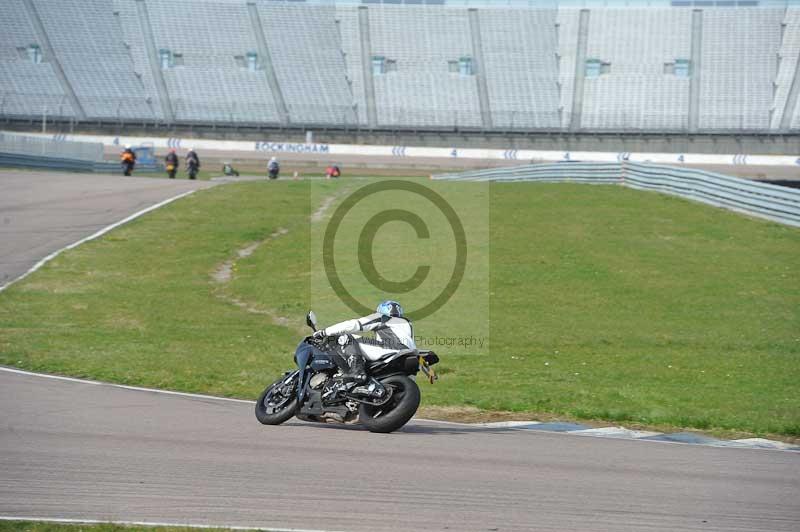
x,y
278,402
397,411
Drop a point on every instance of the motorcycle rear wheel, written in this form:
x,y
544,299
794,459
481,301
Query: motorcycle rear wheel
x,y
397,411
273,406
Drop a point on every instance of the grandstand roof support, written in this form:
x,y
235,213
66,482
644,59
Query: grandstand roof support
x,y
480,72
696,72
580,70
366,63
791,100
51,58
155,64
266,62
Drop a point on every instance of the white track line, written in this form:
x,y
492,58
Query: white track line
x,y
153,524
99,233
123,386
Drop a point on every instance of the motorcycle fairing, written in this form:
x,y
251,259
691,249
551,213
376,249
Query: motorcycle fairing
x,y
318,361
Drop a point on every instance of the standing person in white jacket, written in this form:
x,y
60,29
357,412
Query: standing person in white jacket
x,y
393,332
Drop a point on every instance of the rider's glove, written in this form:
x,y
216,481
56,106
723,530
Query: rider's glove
x,y
320,334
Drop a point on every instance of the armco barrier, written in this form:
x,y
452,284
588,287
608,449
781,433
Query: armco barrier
x,y
50,147
592,173
16,160
773,202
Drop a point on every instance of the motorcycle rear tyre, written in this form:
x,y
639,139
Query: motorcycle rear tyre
x,y
401,411
275,418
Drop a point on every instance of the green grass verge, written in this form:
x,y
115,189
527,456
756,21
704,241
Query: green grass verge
x,y
604,303
139,305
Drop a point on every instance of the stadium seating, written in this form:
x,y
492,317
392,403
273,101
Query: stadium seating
x,y
85,37
636,93
739,66
789,61
306,48
787,64
26,88
206,83
350,38
521,67
567,22
422,92
408,65
134,41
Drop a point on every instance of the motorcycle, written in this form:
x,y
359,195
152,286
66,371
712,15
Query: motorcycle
x,y
192,169
273,170
127,168
386,402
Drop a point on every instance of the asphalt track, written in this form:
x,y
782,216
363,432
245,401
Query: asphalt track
x,y
41,212
85,451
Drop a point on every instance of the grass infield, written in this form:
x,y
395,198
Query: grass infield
x,y
603,303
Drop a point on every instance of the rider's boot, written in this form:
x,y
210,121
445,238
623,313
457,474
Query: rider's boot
x,y
359,371
352,375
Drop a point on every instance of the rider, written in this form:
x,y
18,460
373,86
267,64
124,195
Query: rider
x,y
128,159
393,332
192,163
229,170
171,163
273,167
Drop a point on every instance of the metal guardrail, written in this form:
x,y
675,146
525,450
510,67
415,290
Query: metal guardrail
x,y
597,173
46,147
35,151
17,160
772,202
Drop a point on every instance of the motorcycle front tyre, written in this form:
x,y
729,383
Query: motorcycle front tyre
x,y
396,413
275,418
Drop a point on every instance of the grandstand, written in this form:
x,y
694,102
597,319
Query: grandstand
x,y
636,91
28,84
418,65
